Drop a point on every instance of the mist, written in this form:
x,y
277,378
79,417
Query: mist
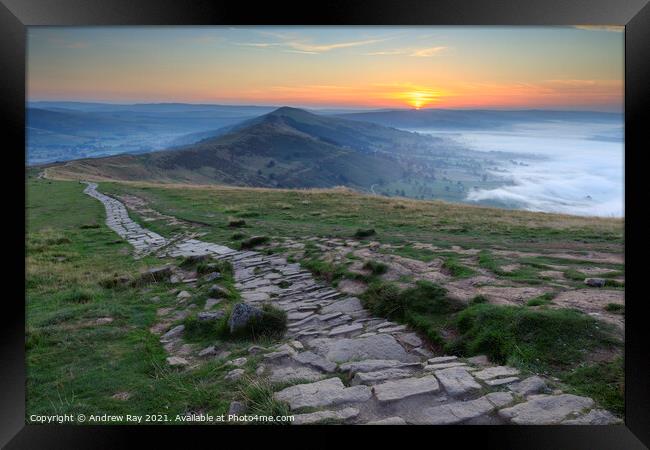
x,y
581,171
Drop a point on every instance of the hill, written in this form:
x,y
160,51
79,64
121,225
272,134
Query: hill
x,y
294,148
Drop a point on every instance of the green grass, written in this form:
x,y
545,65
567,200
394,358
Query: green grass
x,y
456,269
257,393
74,365
544,299
538,340
604,382
376,267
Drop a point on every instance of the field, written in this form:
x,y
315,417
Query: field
x,y
472,280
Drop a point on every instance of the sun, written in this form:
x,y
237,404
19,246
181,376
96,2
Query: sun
x,y
420,98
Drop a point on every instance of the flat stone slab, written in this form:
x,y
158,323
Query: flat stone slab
x,y
388,421
442,359
315,360
497,371
501,381
407,387
546,409
594,417
345,329
457,381
380,346
289,373
531,385
371,365
320,416
344,306
411,339
457,412
327,392
431,367
370,378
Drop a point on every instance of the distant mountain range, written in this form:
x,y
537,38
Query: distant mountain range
x,y
288,148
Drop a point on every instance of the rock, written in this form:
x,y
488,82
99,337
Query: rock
x,y
121,396
176,361
297,345
593,417
423,352
282,374
431,367
380,346
327,392
371,365
236,408
209,303
345,329
241,314
497,371
278,355
260,370
531,385
314,360
238,362
501,381
349,304
223,354
370,378
411,339
480,360
103,320
457,381
208,351
319,416
212,276
595,282
255,349
388,421
173,333
155,299
392,329
457,412
210,316
234,375
546,409
183,295
218,291
407,387
442,359
174,279
156,274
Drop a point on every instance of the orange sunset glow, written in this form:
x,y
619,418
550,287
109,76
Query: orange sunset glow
x,y
355,67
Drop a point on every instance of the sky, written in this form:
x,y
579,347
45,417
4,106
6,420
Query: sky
x,y
568,68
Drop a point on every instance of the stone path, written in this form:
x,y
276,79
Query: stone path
x,y
390,375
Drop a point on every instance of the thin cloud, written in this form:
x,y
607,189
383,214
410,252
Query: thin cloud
x,y
426,52
294,44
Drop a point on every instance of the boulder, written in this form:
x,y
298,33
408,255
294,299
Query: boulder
x,y
176,361
236,408
241,314
218,291
212,276
595,282
208,351
183,295
156,274
174,333
234,375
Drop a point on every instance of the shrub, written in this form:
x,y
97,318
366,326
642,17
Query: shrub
x,y
253,242
615,308
238,236
363,233
236,223
77,296
543,299
478,300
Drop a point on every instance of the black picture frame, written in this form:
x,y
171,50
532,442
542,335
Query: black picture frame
x,y
16,15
